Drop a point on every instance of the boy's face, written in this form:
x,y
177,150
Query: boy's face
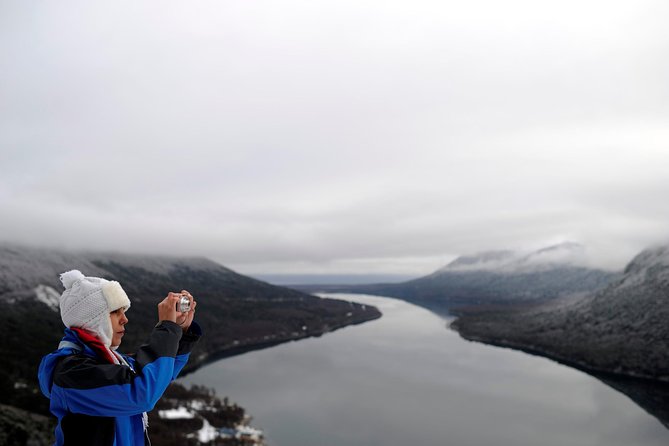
x,y
118,321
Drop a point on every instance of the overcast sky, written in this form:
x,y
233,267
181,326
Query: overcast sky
x,y
370,136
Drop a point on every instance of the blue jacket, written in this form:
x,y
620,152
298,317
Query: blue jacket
x,y
98,403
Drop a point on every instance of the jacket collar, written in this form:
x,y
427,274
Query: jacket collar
x,y
95,345
74,341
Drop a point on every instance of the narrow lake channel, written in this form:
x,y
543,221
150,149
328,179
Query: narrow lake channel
x,y
407,379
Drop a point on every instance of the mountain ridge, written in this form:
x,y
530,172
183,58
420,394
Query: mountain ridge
x,y
494,278
619,329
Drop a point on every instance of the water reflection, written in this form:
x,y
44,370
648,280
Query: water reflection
x,y
651,396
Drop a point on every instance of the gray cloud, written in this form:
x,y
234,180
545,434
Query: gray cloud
x,y
335,136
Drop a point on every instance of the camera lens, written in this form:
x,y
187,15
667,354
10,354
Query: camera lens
x,y
184,304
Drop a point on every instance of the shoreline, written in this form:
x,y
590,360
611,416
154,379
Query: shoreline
x,y
209,358
649,393
538,351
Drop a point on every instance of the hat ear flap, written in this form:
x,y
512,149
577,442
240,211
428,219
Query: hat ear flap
x,y
105,332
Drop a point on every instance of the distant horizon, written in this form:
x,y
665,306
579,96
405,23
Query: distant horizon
x,y
331,279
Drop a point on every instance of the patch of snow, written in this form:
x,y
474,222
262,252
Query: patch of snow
x,y
49,296
174,414
197,405
207,432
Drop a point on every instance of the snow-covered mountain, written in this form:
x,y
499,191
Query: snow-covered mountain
x,y
563,254
27,272
497,277
621,329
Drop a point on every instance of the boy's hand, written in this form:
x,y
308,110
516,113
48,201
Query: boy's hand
x,y
167,309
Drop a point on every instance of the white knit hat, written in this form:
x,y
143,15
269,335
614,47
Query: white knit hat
x,y
87,302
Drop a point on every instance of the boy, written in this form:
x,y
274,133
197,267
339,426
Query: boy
x,y
99,396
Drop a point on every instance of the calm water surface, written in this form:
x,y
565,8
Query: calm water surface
x,y
406,379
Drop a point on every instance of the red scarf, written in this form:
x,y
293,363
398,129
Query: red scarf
x,y
95,344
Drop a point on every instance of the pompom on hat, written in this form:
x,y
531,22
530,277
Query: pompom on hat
x,y
87,302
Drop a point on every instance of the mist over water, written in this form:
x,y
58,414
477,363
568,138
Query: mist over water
x,y
408,379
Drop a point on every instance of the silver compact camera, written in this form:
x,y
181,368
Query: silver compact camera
x,y
184,304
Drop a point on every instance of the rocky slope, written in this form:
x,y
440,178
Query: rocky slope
x,y
495,278
23,428
196,416
622,329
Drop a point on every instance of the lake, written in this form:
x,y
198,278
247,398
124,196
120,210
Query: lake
x,y
407,379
